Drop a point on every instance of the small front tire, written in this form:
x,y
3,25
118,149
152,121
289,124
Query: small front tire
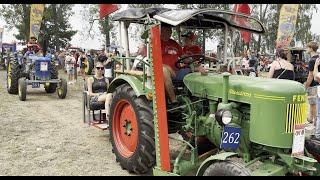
x,y
22,89
62,89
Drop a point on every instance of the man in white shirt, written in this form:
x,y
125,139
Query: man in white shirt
x,y
141,55
70,66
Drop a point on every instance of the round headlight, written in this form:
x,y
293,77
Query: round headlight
x,y
223,116
226,117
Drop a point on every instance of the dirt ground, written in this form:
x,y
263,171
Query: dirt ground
x,y
46,136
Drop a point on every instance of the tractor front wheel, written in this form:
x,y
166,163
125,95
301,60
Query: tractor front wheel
x,y
227,168
62,89
22,89
132,131
13,75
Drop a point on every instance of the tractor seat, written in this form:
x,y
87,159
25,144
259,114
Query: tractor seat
x,y
96,105
177,83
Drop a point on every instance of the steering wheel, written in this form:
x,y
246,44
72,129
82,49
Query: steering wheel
x,y
199,58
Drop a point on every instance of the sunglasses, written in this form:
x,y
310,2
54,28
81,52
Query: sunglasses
x,y
100,68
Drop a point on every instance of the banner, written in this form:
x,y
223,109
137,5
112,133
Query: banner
x,y
287,24
36,14
106,9
245,9
1,34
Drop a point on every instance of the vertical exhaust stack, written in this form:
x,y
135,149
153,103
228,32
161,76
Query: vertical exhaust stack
x,y
225,88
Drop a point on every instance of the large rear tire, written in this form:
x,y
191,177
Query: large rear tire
x,y
22,89
51,87
88,62
13,75
132,131
227,168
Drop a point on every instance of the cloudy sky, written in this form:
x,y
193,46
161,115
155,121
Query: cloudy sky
x,y
95,42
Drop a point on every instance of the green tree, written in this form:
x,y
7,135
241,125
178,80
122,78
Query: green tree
x,y
17,16
303,26
260,11
55,28
90,13
145,6
269,16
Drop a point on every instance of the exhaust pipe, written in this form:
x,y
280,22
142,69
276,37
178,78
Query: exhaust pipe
x,y
225,87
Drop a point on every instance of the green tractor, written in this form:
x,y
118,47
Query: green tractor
x,y
254,126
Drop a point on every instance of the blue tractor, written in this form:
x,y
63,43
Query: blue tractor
x,y
34,70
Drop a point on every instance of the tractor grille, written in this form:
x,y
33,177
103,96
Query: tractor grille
x,y
296,114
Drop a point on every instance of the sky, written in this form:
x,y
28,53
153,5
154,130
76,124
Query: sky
x,y
96,42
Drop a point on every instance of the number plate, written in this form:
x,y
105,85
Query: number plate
x,y
230,138
298,140
44,66
35,85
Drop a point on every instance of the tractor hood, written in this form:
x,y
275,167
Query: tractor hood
x,y
276,105
244,88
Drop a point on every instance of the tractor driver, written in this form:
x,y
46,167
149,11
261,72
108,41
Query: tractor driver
x,y
33,45
171,51
191,48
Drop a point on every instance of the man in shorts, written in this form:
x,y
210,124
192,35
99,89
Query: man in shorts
x,y
70,66
311,84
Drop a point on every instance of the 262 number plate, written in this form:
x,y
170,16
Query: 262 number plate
x,y
230,138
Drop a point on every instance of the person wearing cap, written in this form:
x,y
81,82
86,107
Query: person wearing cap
x,y
171,52
311,84
281,68
190,48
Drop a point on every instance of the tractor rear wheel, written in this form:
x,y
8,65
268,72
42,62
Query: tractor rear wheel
x,y
13,75
132,130
51,87
227,168
22,89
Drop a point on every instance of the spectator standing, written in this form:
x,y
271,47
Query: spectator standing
x,y
311,84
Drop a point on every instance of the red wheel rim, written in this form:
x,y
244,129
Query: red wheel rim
x,y
125,128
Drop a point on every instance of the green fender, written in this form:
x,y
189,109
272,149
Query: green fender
x,y
134,82
218,157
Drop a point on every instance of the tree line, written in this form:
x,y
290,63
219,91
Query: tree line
x,y
57,32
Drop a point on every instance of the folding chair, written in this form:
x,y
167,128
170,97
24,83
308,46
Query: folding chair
x,y
89,108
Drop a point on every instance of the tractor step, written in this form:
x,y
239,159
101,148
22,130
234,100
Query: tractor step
x,y
103,126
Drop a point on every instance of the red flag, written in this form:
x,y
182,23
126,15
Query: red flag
x,y
245,9
106,9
